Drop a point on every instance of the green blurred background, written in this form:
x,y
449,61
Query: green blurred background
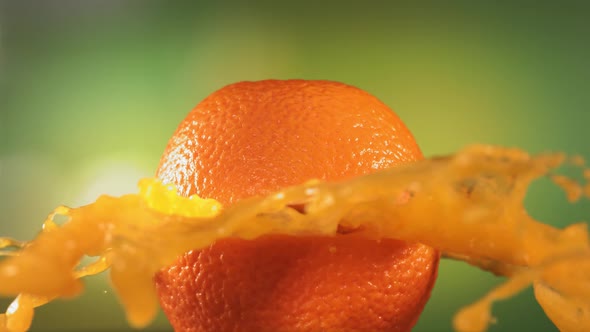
x,y
90,91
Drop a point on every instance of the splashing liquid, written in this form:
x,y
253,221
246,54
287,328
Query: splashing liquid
x,y
469,206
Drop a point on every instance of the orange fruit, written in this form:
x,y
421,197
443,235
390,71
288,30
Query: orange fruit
x,y
253,138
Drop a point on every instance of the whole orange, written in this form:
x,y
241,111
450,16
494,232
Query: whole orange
x,y
253,138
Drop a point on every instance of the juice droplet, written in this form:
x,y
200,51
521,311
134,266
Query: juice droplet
x,y
572,189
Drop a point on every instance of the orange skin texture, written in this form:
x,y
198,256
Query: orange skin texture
x,y
254,138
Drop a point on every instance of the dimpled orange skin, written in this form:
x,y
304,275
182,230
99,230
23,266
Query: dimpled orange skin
x,y
253,138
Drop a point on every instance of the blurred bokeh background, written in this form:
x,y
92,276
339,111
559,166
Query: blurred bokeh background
x,y
90,91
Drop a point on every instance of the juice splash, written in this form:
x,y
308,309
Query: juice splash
x,y
468,205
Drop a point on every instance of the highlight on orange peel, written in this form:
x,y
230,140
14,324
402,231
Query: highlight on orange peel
x,y
303,206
